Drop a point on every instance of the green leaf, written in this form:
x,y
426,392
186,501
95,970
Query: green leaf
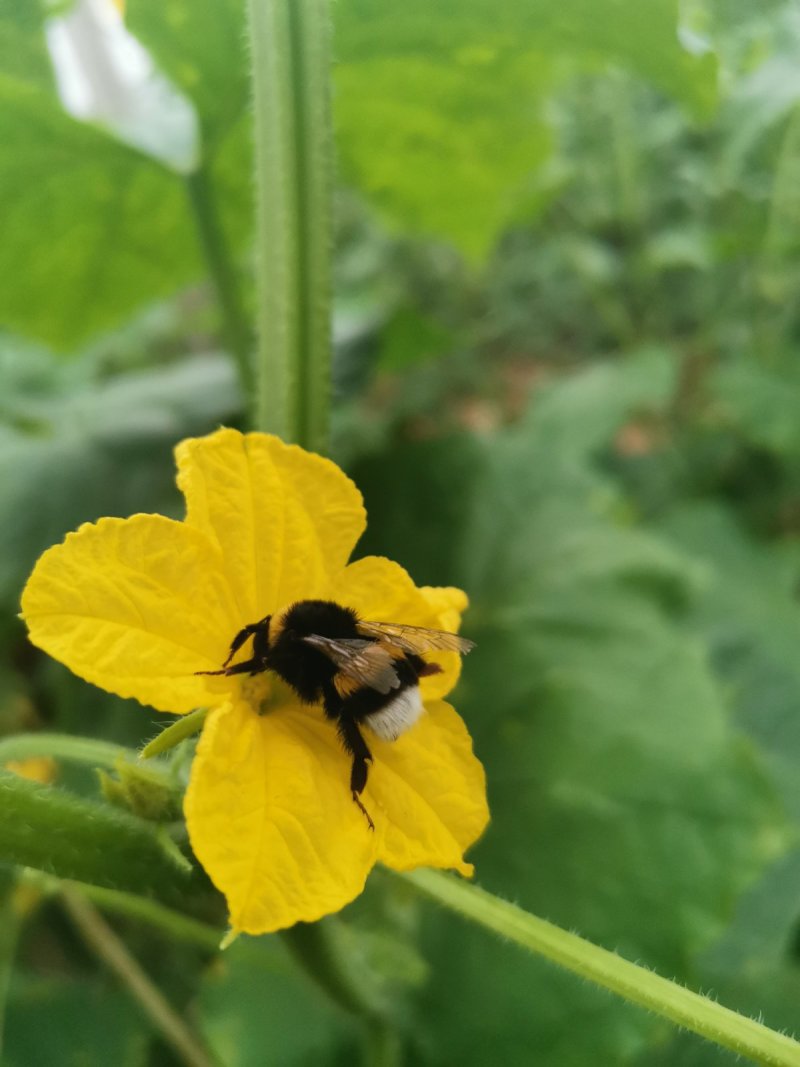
x,y
109,441
643,38
22,43
436,145
753,963
251,1010
93,229
80,1022
761,399
441,113
441,109
409,338
624,804
519,1008
202,49
750,617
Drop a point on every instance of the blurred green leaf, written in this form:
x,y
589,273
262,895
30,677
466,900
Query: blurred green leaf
x,y
749,615
202,49
93,229
22,43
77,1023
435,143
624,804
441,118
250,1015
761,399
754,963
409,338
88,449
487,1003
777,274
427,127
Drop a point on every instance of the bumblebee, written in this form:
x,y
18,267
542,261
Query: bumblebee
x,y
365,674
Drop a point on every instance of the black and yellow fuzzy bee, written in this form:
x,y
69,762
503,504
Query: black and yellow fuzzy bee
x,y
364,673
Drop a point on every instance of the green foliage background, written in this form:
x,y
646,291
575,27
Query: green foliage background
x,y
567,379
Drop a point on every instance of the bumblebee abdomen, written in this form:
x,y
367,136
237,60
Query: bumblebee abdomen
x,y
388,714
396,716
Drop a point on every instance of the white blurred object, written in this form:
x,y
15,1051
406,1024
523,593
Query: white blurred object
x,y
105,76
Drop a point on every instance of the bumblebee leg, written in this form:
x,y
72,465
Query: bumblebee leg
x,y
251,666
253,629
364,811
259,631
356,746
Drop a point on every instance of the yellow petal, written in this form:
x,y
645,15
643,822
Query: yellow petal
x,y
271,818
446,603
35,768
134,606
428,793
380,590
284,519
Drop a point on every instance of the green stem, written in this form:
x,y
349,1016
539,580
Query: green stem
x,y
177,926
173,924
10,925
175,733
235,327
383,1047
291,103
110,949
62,746
321,950
744,1036
71,837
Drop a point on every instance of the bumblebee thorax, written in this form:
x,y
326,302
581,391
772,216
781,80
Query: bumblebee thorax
x,y
306,617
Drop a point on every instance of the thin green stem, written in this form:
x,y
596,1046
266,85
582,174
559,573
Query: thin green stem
x,y
111,950
63,746
635,984
10,925
235,326
177,926
325,953
173,924
321,950
383,1046
290,43
173,734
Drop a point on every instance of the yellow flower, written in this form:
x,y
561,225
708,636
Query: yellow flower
x,y
140,605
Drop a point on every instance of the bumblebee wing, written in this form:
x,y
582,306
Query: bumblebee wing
x,y
360,659
415,639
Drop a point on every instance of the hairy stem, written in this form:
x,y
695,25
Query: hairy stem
x,y
173,734
56,832
291,106
62,746
635,984
320,949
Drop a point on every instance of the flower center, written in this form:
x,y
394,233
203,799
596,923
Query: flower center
x,y
265,692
